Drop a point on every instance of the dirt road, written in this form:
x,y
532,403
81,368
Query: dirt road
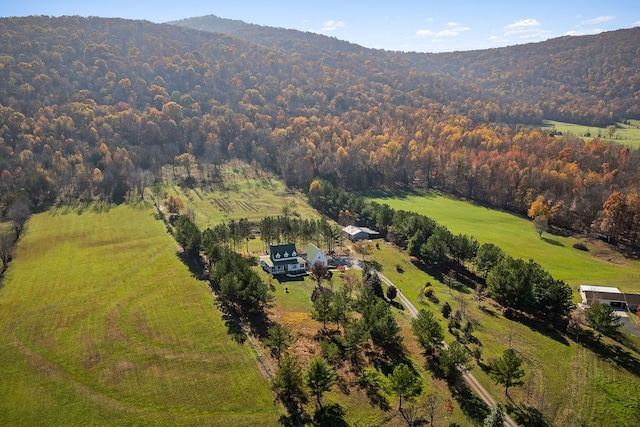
x,y
473,383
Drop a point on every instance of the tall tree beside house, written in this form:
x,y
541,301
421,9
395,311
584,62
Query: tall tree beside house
x,y
364,248
603,320
319,272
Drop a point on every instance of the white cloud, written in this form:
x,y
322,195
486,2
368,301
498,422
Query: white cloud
x,y
524,26
332,25
636,24
598,20
453,30
526,29
422,33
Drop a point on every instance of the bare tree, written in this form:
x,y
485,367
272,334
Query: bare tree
x,y
431,404
7,241
19,213
541,224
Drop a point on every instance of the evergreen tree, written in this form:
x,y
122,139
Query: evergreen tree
x,y
404,383
288,382
428,331
495,417
506,370
320,378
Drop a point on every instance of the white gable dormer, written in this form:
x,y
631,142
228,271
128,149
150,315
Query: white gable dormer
x,y
286,254
278,256
294,253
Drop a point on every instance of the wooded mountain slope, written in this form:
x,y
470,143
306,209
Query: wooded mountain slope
x,y
94,107
593,80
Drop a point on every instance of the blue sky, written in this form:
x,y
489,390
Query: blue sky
x,y
405,25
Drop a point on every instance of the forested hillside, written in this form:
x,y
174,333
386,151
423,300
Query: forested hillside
x,y
93,107
592,80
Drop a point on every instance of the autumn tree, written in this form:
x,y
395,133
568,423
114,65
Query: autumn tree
x,y
319,272
187,161
174,204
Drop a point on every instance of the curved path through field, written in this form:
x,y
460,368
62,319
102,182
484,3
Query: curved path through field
x,y
473,383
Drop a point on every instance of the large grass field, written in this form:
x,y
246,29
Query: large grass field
x,y
517,237
626,134
102,324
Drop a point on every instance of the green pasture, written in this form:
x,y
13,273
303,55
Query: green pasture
x,y
244,192
102,324
517,237
568,383
626,134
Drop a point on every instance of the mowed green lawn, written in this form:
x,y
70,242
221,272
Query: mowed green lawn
x,y
517,237
102,324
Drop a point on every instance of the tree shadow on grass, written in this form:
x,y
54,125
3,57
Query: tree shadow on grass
x,y
330,416
194,265
526,415
397,305
552,242
545,328
234,328
471,405
614,353
296,418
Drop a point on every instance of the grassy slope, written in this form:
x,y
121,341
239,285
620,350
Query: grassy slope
x,y
567,382
102,324
517,237
247,193
625,134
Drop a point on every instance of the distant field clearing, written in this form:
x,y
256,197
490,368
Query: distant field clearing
x,y
516,236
